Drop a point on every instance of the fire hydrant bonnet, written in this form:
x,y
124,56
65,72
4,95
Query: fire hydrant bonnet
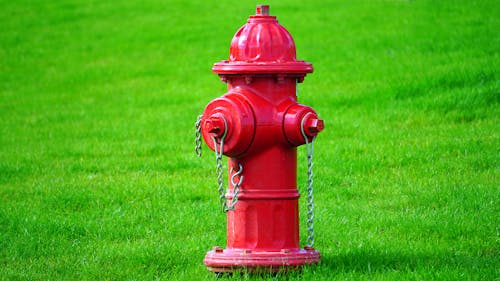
x,y
262,46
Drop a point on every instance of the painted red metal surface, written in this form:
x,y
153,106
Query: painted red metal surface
x,y
261,120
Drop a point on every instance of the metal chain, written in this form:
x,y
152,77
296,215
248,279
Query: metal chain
x,y
310,181
219,151
236,187
219,171
197,136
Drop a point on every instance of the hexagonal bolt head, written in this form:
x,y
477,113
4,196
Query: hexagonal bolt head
x,y
309,248
262,10
218,249
313,126
215,125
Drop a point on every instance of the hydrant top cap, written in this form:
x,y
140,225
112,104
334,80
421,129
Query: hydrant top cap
x,y
261,46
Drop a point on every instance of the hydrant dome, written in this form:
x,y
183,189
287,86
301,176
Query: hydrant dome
x,y
262,39
262,46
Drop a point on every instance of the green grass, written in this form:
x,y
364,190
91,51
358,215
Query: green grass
x,y
99,181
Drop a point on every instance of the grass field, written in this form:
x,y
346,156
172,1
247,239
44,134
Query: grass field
x,y
99,181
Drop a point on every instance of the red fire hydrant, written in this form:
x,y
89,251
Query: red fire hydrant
x,y
258,124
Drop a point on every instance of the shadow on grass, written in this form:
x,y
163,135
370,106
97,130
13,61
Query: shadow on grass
x,y
377,261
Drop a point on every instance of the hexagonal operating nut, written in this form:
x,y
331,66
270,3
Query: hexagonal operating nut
x,y
313,126
215,125
262,10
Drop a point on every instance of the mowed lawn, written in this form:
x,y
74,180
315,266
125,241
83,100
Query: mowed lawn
x,y
98,99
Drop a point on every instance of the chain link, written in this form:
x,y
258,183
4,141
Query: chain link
x,y
310,181
197,136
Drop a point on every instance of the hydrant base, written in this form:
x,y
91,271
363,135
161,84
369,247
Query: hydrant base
x,y
230,260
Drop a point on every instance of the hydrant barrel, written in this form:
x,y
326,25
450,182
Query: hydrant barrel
x,y
258,124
